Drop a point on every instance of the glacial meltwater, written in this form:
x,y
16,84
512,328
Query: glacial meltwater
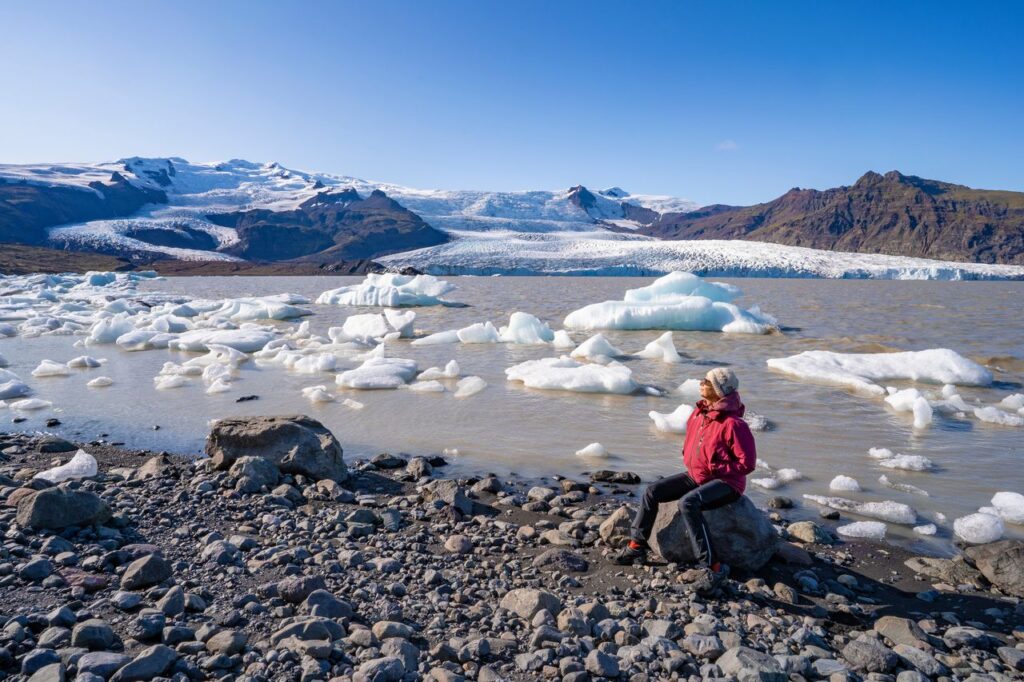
x,y
819,430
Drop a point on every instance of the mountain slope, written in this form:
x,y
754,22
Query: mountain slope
x,y
892,214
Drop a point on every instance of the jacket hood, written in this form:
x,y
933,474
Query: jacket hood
x,y
729,405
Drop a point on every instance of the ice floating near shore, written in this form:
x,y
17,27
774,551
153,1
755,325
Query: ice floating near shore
x,y
525,329
373,327
677,301
844,483
49,368
481,332
450,371
469,386
993,415
432,386
880,453
11,386
84,362
1010,507
893,512
689,390
662,348
907,463
867,530
597,349
352,404
979,528
100,382
29,405
911,400
563,341
318,394
389,290
247,339
82,465
1010,402
593,451
673,422
859,371
926,529
277,307
163,383
378,373
777,479
567,374
902,487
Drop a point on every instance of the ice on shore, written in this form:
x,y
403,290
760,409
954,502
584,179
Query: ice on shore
x,y
907,463
868,530
247,339
677,301
526,329
902,487
672,422
318,394
594,451
979,528
662,348
776,479
844,483
82,465
597,349
893,512
378,373
469,386
84,362
100,382
389,290
1010,507
450,371
49,368
993,415
567,374
860,371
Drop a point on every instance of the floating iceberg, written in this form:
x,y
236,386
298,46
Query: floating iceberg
x,y
84,362
469,386
860,371
673,422
979,528
690,390
109,329
318,394
378,373
598,349
389,290
437,339
902,487
353,404
907,463
893,512
432,386
49,368
563,341
844,483
11,386
278,307
82,465
247,339
1013,402
450,371
993,415
679,301
525,329
911,400
869,530
1010,507
594,450
481,332
100,382
880,453
370,327
29,404
926,529
662,348
163,383
566,374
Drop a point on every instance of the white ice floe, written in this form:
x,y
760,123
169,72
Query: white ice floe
x,y
525,329
844,483
450,371
82,465
49,368
757,422
218,385
437,338
318,394
868,530
29,404
926,529
860,371
597,349
277,307
562,340
11,386
144,339
469,386
775,479
389,290
1012,402
353,404
662,348
247,339
672,422
979,528
594,451
907,463
378,373
902,487
108,330
7,330
432,386
100,382
371,327
1010,507
880,453
679,301
911,400
993,415
567,374
163,383
85,362
690,390
481,332
893,512
401,321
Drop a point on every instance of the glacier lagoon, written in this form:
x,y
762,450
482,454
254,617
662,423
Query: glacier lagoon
x,y
819,430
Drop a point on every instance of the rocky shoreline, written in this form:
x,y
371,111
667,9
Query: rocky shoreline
x,y
295,565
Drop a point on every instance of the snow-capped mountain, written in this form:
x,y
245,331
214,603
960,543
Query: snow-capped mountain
x,y
188,223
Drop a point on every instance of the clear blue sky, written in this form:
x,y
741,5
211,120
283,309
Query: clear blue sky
x,y
718,102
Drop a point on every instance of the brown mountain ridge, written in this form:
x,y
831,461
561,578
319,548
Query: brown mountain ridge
x,y
889,214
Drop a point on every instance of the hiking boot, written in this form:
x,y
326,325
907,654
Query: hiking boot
x,y
710,579
632,554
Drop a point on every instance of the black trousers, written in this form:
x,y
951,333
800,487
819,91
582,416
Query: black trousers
x,y
693,499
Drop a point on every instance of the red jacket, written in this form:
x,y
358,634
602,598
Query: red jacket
x,y
719,444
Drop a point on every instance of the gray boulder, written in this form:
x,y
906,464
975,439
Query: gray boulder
x,y
450,492
747,664
149,663
870,656
1002,563
525,602
61,507
742,535
616,528
295,444
102,663
561,560
253,474
148,570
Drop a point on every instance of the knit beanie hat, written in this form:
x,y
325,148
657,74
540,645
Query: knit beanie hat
x,y
723,380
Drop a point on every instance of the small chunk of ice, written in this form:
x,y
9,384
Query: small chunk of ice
x,y
468,386
673,422
595,450
318,394
82,465
844,483
100,382
902,487
353,404
907,463
525,329
880,453
598,349
870,530
979,528
162,383
29,404
84,362
1010,506
926,529
662,348
49,368
450,371
566,374
893,512
993,415
432,386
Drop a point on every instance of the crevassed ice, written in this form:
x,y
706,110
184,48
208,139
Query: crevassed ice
x,y
679,301
566,374
389,290
860,371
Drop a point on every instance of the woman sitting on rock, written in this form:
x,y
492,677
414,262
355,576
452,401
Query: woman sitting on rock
x,y
718,453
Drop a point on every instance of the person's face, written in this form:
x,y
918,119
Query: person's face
x,y
707,391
